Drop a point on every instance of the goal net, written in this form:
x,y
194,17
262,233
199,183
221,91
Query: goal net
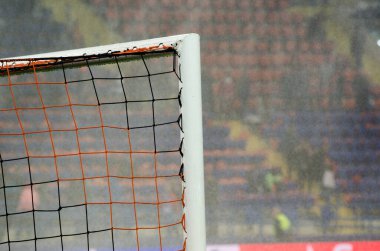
x,y
101,148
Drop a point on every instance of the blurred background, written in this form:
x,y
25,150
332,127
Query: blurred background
x,y
291,100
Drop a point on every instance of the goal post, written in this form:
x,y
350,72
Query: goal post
x,y
101,148
192,111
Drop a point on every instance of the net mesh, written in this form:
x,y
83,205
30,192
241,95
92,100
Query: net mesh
x,y
91,153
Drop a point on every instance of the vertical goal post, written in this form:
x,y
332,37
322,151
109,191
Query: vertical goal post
x,y
187,67
193,143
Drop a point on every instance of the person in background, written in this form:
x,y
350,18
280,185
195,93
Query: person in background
x,y
328,180
272,180
282,225
28,202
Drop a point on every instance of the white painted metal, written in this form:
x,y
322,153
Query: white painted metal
x,y
189,50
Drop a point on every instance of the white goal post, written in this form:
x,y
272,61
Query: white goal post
x,y
187,47
192,105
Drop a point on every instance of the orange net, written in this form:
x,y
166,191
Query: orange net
x,y
97,141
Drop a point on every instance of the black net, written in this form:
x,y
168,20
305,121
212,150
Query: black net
x,y
91,153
